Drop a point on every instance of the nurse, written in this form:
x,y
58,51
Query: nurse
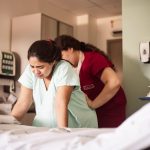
x,y
55,88
98,78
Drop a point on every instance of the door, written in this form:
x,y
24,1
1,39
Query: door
x,y
114,51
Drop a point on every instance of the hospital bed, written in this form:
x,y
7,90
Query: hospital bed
x,y
132,134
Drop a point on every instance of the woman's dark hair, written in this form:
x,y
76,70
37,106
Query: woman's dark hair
x,y
87,47
45,51
64,42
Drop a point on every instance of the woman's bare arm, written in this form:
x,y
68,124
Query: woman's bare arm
x,y
62,100
112,85
23,103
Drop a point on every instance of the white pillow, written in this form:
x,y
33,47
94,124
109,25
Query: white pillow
x,y
8,119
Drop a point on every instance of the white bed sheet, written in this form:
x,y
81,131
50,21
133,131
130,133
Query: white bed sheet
x,y
16,137
133,134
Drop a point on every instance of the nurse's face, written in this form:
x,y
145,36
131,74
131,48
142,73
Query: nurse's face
x,y
71,55
41,69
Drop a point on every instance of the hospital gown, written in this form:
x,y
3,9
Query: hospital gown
x,y
80,115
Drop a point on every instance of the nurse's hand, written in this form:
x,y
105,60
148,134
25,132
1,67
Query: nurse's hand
x,y
89,102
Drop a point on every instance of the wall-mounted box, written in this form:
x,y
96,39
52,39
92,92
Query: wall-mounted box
x,y
145,52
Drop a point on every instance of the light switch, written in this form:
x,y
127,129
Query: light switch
x,y
145,51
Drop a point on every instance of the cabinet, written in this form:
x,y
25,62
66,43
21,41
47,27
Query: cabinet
x,y
65,29
48,27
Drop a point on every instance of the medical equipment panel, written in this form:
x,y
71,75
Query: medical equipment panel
x,y
7,63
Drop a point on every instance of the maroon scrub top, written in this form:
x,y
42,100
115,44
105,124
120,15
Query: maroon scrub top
x,y
113,113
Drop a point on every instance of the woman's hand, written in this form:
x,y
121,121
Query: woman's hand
x,y
89,102
111,87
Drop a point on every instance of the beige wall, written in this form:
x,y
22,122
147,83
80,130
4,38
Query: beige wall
x,y
136,28
21,7
81,28
86,29
93,33
57,13
5,32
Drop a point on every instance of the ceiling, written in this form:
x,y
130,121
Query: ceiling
x,y
95,8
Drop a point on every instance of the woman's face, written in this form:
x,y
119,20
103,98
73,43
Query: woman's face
x,y
40,69
71,55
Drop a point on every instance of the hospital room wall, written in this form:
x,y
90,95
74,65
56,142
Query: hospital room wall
x,y
136,28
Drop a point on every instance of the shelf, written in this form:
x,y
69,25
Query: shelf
x,y
144,98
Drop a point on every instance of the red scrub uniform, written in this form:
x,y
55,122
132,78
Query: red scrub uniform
x,y
112,113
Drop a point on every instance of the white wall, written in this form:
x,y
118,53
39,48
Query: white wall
x,y
136,28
